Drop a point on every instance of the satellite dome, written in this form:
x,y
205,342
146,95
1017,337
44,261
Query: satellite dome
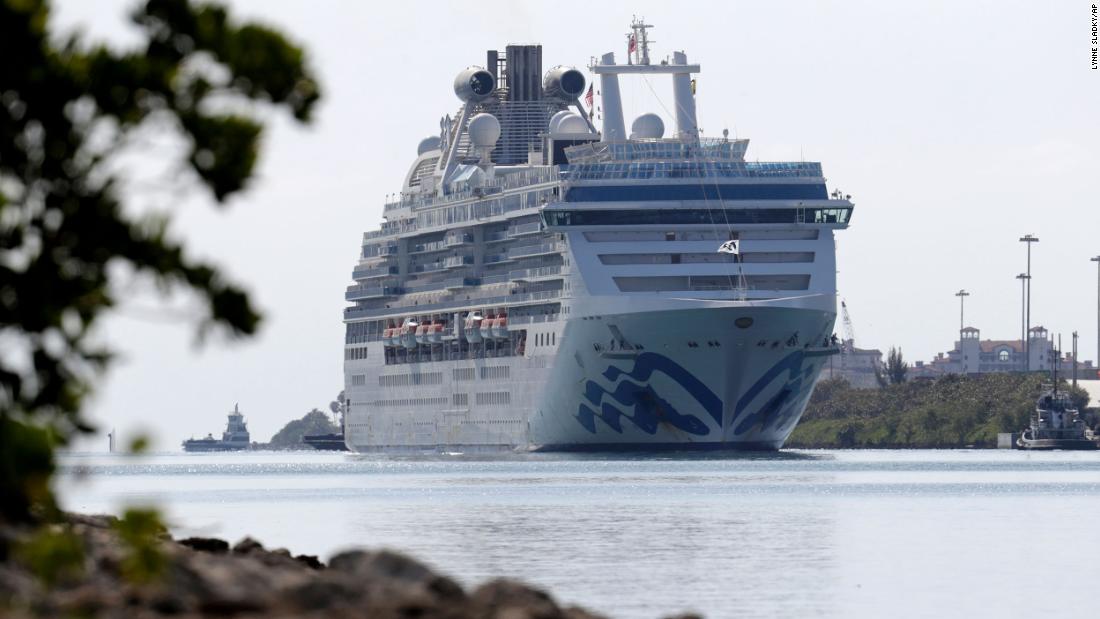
x,y
427,144
484,130
557,118
647,126
572,124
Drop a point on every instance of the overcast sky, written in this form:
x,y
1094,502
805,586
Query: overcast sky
x,y
956,127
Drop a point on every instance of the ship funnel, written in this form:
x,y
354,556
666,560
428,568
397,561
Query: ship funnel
x,y
563,83
474,84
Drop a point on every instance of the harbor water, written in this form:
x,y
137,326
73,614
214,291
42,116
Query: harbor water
x,y
794,534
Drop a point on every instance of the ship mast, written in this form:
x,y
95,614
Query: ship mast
x,y
614,130
638,42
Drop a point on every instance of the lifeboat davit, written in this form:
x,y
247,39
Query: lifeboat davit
x,y
500,327
435,333
473,327
487,327
408,333
422,333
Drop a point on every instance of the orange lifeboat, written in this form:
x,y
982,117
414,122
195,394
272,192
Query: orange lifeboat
x,y
487,327
408,333
435,333
422,333
500,327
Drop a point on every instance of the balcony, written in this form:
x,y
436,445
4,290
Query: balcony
x,y
451,302
533,227
497,259
423,248
362,273
454,239
536,274
356,293
541,249
451,262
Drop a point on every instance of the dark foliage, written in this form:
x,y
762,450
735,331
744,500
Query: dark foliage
x,y
290,437
896,367
68,110
950,412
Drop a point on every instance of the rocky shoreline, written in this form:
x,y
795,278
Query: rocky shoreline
x,y
206,577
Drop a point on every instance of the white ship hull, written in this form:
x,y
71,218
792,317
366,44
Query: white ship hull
x,y
681,378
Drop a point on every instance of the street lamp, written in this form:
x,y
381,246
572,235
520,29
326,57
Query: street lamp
x,y
962,294
1023,277
1029,239
1096,259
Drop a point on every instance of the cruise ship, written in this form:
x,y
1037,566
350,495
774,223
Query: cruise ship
x,y
544,283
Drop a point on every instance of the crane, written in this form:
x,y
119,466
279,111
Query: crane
x,y
848,344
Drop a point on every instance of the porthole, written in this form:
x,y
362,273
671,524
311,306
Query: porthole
x,y
743,322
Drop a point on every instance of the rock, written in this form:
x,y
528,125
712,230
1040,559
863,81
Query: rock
x,y
395,568
310,561
509,599
206,544
246,546
204,577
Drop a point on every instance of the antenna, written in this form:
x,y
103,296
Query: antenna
x,y
638,41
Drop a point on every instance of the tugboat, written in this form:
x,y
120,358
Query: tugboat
x,y
1056,423
235,437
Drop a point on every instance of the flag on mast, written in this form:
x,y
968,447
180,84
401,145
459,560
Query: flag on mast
x,y
729,247
631,45
588,99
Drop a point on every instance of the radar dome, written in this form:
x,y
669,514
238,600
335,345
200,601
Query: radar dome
x,y
428,144
572,124
474,84
484,130
647,126
557,118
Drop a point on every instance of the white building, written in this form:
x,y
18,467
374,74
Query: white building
x,y
973,355
861,367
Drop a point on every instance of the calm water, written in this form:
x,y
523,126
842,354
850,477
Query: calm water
x,y
835,534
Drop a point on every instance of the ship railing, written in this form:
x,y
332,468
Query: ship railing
x,y
533,319
445,284
451,303
670,148
523,229
372,272
504,181
534,273
535,250
355,293
634,170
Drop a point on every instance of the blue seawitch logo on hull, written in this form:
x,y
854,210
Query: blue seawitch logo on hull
x,y
649,410
782,407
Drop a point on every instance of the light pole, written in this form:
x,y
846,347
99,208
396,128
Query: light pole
x,y
962,294
1029,239
1074,359
1096,259
1023,277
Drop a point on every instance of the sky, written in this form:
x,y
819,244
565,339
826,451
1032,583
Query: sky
x,y
956,127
